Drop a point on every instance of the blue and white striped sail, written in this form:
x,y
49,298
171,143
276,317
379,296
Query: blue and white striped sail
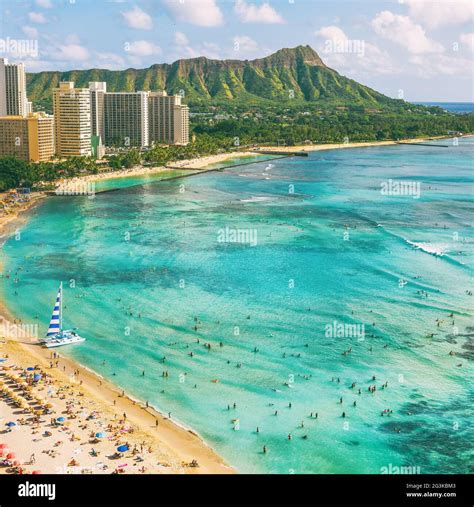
x,y
55,322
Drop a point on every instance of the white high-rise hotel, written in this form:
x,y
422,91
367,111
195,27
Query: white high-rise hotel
x,y
13,100
72,120
137,118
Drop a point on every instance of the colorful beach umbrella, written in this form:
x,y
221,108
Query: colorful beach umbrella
x,y
10,424
30,368
100,435
60,419
37,376
122,448
10,455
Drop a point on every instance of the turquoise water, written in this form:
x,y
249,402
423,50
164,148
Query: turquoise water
x,y
145,261
129,181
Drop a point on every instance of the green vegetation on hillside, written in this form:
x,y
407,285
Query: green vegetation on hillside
x,y
293,76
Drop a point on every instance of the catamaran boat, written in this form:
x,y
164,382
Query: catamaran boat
x,y
56,335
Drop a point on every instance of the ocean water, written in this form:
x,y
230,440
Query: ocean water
x,y
322,245
452,107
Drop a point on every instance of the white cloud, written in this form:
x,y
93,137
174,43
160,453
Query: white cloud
x,y
252,13
45,4
356,57
68,52
36,17
403,31
244,43
38,65
434,13
136,18
428,66
30,31
207,49
142,48
110,60
467,40
332,33
202,13
210,50
180,39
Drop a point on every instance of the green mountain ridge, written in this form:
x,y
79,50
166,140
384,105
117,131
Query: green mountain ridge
x,y
295,75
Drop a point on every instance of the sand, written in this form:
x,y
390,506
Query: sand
x,y
203,162
333,146
173,447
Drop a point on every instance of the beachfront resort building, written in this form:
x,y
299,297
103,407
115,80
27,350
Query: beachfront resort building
x,y
13,99
27,138
168,119
72,120
139,119
97,89
126,119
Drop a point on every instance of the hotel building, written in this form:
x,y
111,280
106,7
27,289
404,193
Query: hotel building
x,y
72,120
168,119
28,138
97,91
126,119
13,100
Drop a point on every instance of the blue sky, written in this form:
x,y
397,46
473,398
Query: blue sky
x,y
421,49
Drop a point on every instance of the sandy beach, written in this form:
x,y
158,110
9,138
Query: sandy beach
x,y
203,162
334,146
89,405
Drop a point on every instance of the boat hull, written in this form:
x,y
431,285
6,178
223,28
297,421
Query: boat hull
x,y
63,338
61,342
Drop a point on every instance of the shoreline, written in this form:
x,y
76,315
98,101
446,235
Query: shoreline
x,y
362,144
172,441
140,170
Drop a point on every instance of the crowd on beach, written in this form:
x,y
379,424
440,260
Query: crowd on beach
x,y
12,201
51,427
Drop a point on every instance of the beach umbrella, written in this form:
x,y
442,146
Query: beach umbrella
x,y
30,368
3,446
60,419
10,424
37,376
36,472
10,455
100,435
122,448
